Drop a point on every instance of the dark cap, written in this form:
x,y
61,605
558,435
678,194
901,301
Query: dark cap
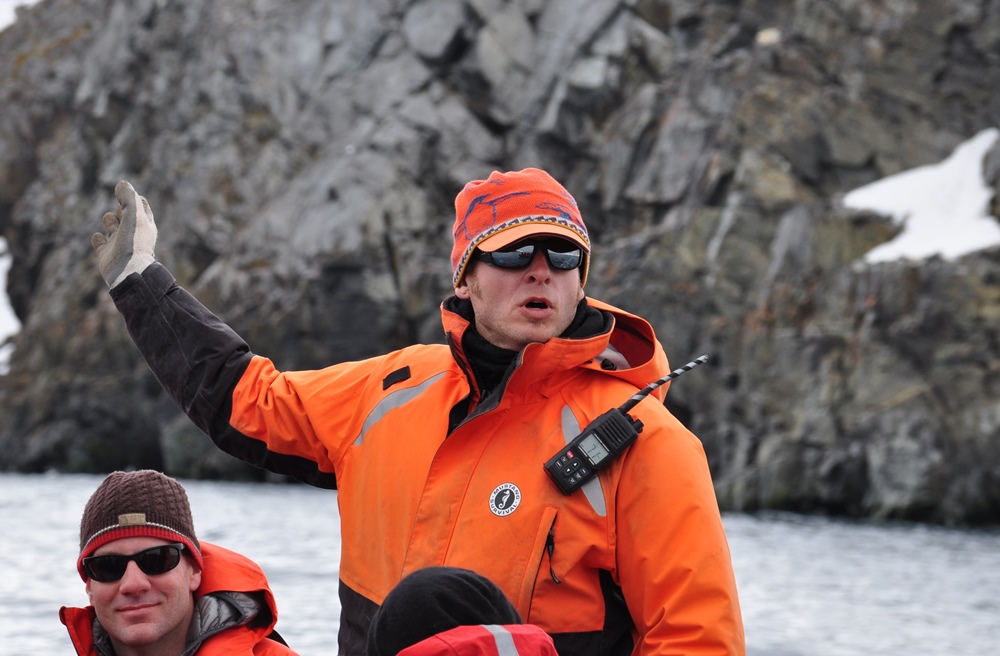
x,y
432,600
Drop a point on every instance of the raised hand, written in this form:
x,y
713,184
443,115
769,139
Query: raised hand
x,y
127,246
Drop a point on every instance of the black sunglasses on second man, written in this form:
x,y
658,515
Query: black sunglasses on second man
x,y
158,560
562,255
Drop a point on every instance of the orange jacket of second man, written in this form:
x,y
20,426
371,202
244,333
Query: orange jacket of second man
x,y
635,560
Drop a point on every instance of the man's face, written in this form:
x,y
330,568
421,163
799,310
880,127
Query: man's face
x,y
140,611
515,307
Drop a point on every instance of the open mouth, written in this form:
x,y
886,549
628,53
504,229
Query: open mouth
x,y
536,305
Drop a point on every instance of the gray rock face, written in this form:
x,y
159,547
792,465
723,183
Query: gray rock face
x,y
302,158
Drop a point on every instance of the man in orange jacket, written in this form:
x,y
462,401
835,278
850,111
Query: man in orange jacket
x,y
437,450
155,589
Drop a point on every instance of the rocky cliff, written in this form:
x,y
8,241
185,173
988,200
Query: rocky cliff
x,y
302,157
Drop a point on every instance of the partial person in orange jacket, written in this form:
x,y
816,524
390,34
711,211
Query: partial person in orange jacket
x,y
155,589
437,450
450,611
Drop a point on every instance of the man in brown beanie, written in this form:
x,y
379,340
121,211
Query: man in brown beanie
x,y
154,589
439,451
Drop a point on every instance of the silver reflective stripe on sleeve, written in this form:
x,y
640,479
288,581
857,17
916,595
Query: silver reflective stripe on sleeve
x,y
392,401
503,639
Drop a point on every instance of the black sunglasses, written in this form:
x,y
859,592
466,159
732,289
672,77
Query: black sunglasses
x,y
158,560
561,255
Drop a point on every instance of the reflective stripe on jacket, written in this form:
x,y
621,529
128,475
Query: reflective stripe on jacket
x,y
225,571
637,557
486,640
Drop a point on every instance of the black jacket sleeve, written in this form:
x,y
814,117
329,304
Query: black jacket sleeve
x,y
196,357
198,360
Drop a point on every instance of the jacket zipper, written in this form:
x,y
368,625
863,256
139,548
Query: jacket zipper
x,y
550,548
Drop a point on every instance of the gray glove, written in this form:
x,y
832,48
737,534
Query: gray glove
x,y
131,236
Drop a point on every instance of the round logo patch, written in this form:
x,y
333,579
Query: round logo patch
x,y
505,499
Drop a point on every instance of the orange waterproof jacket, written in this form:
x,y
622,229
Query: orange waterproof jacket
x,y
225,571
635,559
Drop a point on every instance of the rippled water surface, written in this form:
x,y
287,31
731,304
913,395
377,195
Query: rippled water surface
x,y
808,586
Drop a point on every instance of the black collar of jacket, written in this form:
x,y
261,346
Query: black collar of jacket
x,y
489,362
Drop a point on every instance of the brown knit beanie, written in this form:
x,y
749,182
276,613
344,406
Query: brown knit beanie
x,y
142,503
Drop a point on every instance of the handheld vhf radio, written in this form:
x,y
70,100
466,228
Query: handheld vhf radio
x,y
604,438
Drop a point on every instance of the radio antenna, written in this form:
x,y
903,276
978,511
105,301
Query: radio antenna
x,y
604,439
645,391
